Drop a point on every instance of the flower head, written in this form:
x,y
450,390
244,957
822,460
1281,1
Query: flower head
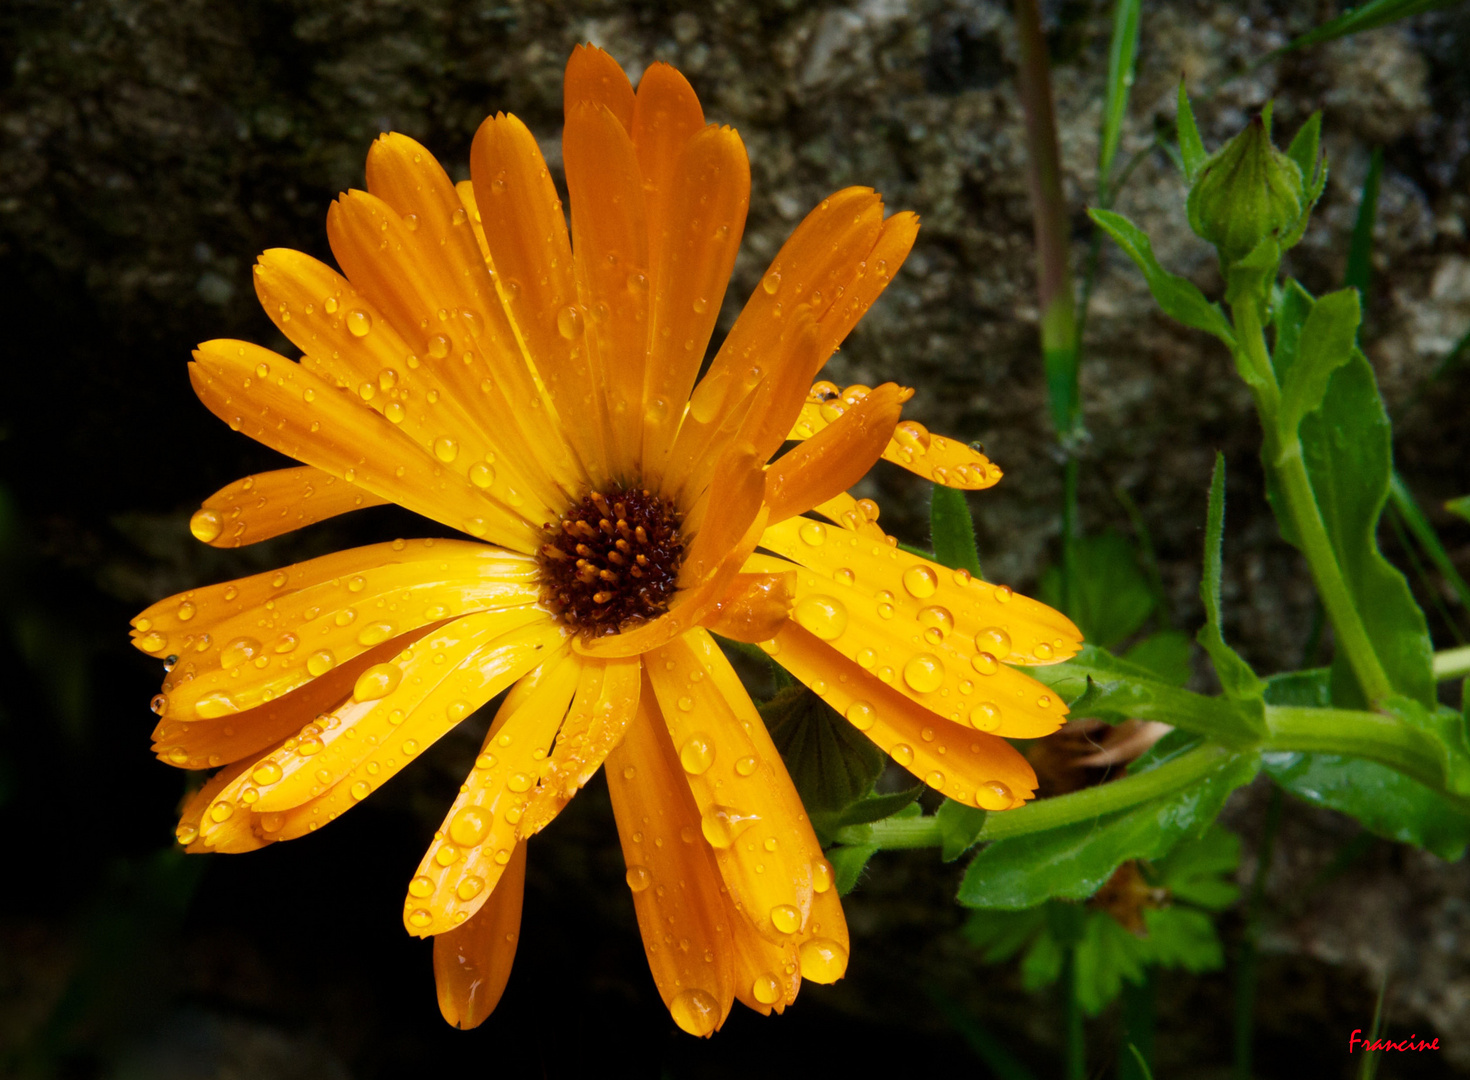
x,y
541,394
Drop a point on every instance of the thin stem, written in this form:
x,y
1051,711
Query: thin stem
x,y
1384,739
1452,663
1076,1045
1245,970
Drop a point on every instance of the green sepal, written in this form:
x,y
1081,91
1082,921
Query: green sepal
x,y
952,531
1178,297
848,863
832,764
1247,192
1235,675
959,828
1327,340
1191,146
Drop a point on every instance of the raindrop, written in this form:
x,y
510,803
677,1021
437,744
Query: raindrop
x,y
814,533
921,581
695,1011
697,755
823,616
903,753
861,715
469,826
638,878
376,682
206,525
359,323
924,673
994,640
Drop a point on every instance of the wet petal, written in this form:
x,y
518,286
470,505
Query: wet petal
x,y
592,75
676,885
835,459
269,504
472,962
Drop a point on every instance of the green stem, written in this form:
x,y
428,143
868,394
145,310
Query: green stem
x,y
1384,739
1076,1046
1245,970
1452,663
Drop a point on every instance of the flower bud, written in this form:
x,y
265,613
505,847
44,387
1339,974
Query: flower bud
x,y
1246,192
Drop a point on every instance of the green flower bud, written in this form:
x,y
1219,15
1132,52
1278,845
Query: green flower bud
x,y
1248,191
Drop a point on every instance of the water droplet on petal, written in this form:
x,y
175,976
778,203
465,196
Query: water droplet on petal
x,y
206,525
902,753
359,323
993,795
985,716
376,682
638,878
319,663
469,826
822,960
822,876
722,825
745,766
995,640
446,449
421,887
697,754
569,322
924,673
921,581
824,616
813,533
695,1011
985,664
861,715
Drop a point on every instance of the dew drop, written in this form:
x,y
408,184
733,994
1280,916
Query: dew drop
x,y
814,533
206,525
766,989
695,1011
421,887
376,682
771,282
438,346
935,780
446,449
745,766
824,616
469,826
239,651
985,664
638,878
822,876
822,960
697,755
359,323
993,795
902,753
469,888
420,918
569,322
267,772
1042,651
924,673
321,662
985,716
861,715
482,475
360,790
920,581
722,825
994,640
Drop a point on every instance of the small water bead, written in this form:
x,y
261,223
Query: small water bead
x,y
345,617
697,755
937,618
367,391
629,772
844,576
519,782
1003,594
158,704
446,449
330,305
447,855
502,857
1044,701
239,651
746,766
822,960
1042,651
924,673
411,222
813,533
469,888
569,322
985,664
482,475
376,682
994,640
822,876
985,716
766,989
375,633
866,658
722,825
206,525
420,918
920,581
935,780
469,826
320,662
771,282
824,616
786,918
421,887
695,1011
701,305
359,323
902,753
221,811
993,795
438,346
267,772
360,790
186,834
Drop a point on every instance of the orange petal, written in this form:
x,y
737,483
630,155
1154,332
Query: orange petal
x,y
823,955
920,654
199,744
291,410
767,976
192,817
611,257
749,811
754,607
403,706
264,643
866,281
592,75
527,234
472,848
968,766
702,217
945,461
855,515
671,871
722,517
835,459
350,341
666,115
472,962
607,695
268,504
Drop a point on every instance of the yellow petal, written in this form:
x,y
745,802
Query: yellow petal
x,y
944,461
749,811
918,654
401,707
966,765
823,955
676,886
291,410
611,257
607,695
265,505
472,962
472,848
753,608
592,75
867,279
263,643
197,805
721,518
855,515
702,217
834,460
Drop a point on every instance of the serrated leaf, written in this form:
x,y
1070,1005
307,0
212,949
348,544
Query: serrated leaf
x,y
1073,861
959,828
1201,872
1164,655
1191,147
952,531
1181,937
999,935
1327,341
1235,675
1111,594
1179,297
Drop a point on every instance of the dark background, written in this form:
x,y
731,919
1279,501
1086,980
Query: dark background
x,y
149,150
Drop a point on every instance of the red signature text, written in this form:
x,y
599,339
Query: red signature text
x,y
1413,1042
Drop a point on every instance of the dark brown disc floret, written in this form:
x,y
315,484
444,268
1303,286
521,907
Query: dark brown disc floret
x,y
612,562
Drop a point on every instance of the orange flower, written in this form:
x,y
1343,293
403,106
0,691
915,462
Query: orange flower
x,y
474,367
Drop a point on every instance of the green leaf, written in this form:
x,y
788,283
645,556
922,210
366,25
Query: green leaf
x,y
952,531
959,828
1360,250
1403,502
1179,297
1459,507
1118,688
1202,873
1327,341
873,808
1074,861
1236,677
848,863
1369,16
1106,956
999,935
1180,937
1164,655
1305,150
1122,58
832,764
1111,594
1191,147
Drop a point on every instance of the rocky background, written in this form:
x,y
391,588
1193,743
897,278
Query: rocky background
x,y
149,150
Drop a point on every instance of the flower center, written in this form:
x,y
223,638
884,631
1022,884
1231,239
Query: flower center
x,y
612,562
